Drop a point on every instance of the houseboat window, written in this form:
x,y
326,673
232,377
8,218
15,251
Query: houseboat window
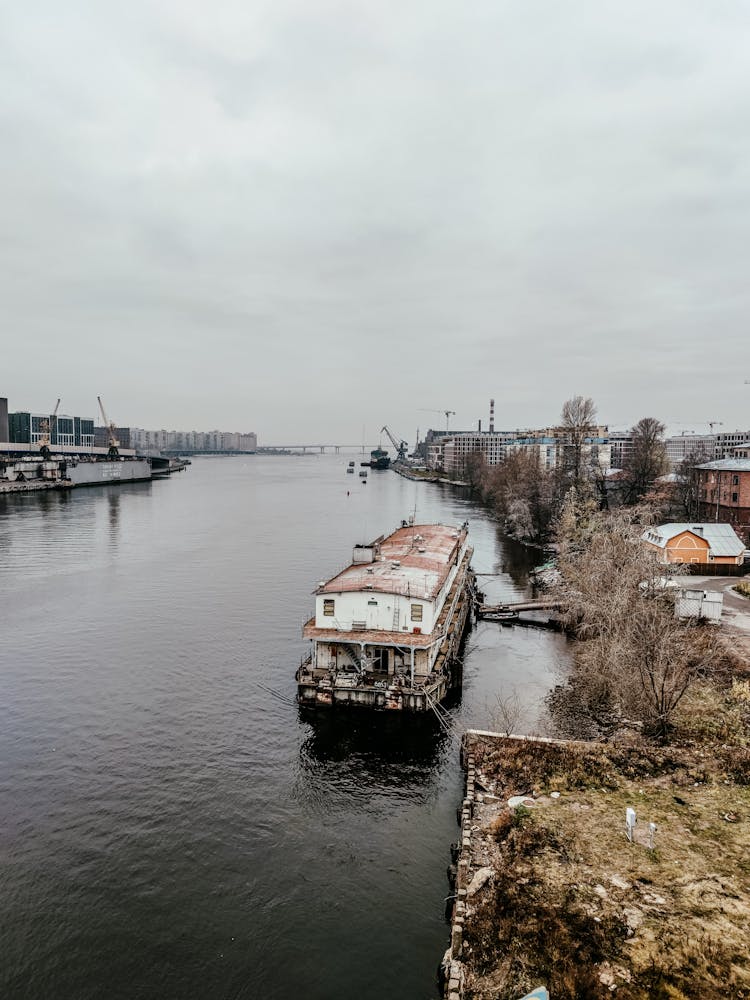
x,y
380,660
416,612
329,607
735,480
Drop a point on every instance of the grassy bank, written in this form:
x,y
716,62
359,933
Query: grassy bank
x,y
572,904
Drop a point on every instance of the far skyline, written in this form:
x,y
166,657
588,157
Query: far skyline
x,y
372,434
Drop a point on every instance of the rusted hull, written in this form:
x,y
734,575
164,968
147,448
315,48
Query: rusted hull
x,y
386,700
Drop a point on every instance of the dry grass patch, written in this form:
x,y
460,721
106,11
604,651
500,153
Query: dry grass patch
x,y
714,713
576,906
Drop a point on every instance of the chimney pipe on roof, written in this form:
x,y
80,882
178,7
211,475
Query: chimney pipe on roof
x,y
492,416
480,427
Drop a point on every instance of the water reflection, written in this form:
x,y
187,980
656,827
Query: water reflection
x,y
361,754
518,560
388,747
113,505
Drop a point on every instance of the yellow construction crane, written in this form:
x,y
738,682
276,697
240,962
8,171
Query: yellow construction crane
x,y
114,444
47,426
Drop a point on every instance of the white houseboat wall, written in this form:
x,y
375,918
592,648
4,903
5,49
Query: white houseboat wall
x,y
387,629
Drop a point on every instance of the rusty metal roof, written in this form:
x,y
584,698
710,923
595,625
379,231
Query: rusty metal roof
x,y
413,562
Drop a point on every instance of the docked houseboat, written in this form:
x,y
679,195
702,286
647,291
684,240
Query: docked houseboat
x,y
387,630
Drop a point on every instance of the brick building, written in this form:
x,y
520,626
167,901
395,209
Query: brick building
x,y
724,493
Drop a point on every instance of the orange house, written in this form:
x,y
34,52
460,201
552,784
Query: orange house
x,y
708,542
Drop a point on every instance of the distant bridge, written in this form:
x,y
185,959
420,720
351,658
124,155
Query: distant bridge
x,y
315,447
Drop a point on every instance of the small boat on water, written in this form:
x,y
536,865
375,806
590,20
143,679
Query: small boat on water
x,y
363,473
350,468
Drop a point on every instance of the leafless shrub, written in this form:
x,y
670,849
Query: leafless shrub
x,y
635,660
506,713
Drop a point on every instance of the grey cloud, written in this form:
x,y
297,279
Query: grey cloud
x,y
274,202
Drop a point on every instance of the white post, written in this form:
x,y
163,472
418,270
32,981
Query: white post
x,y
630,821
412,666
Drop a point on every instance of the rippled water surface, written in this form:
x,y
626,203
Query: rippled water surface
x,y
168,828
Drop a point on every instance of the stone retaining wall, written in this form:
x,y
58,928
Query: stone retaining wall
x,y
453,966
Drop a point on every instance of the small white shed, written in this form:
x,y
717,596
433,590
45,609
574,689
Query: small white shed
x,y
698,604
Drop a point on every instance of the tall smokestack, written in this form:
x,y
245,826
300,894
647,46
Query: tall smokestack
x,y
479,428
492,416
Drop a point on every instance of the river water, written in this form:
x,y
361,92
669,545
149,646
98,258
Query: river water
x,y
170,829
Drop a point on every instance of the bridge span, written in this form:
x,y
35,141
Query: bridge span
x,y
322,448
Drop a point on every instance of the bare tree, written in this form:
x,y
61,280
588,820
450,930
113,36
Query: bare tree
x,y
522,496
473,469
635,660
648,458
665,655
578,419
506,714
687,484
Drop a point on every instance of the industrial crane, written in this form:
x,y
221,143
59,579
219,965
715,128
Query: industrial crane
x,y
47,425
400,446
446,413
708,423
114,444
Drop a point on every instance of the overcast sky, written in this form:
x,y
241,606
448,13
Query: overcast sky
x,y
303,217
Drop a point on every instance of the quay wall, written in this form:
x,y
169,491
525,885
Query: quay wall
x,y
29,487
452,966
408,474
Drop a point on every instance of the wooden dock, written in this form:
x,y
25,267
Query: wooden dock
x,y
32,486
510,613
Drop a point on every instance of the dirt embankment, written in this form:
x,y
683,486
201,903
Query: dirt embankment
x,y
557,895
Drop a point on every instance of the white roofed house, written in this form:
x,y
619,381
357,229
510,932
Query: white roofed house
x,y
691,543
387,629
